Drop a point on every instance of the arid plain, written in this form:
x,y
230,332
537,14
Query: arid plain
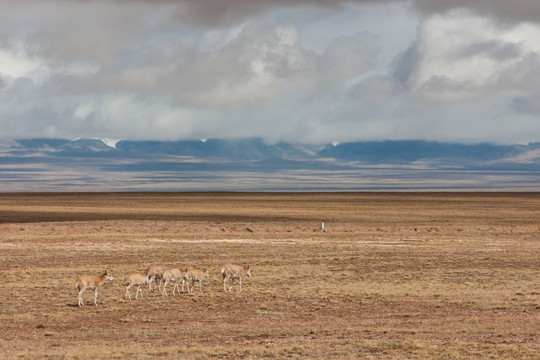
x,y
391,275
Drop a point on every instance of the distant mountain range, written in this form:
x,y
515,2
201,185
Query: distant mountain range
x,y
252,164
369,152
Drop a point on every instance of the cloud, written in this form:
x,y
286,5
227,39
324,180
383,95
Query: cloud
x,y
347,57
183,68
511,11
212,12
462,55
378,88
248,64
256,62
202,13
492,48
65,31
527,105
163,81
406,63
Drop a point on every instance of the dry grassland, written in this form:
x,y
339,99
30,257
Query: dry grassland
x,y
392,276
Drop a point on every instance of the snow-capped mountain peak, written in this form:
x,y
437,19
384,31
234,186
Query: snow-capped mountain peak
x,y
110,142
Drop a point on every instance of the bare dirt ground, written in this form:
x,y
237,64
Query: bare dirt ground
x,y
391,276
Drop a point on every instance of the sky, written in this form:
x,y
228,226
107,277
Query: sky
x,y
306,71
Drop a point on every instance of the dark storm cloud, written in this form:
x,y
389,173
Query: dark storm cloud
x,y
212,12
72,30
216,12
508,10
193,12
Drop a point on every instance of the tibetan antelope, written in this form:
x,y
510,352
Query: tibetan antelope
x,y
196,275
234,272
134,280
186,279
155,273
91,282
174,276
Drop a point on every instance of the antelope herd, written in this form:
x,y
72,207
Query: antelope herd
x,y
162,276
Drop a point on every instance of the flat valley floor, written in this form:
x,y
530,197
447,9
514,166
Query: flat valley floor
x,y
391,275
